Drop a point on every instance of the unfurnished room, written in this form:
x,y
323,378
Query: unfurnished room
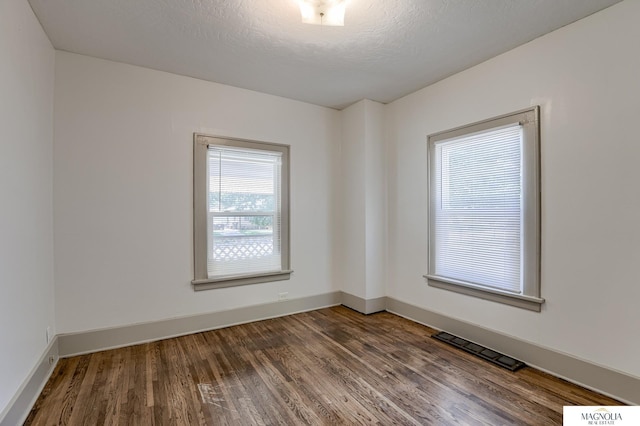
x,y
319,212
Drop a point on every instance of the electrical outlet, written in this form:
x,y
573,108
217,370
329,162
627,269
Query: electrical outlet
x,y
283,296
49,336
51,360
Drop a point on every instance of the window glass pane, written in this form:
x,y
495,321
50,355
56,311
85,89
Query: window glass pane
x,y
482,171
478,209
242,181
244,212
242,244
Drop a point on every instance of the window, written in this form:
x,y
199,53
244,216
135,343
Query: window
x,y
484,222
241,212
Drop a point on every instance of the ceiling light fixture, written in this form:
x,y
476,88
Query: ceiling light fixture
x,y
323,12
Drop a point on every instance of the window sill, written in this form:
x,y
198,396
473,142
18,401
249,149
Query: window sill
x,y
233,281
518,300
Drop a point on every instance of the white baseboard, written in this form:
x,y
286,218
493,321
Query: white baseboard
x,y
364,306
618,385
117,337
18,409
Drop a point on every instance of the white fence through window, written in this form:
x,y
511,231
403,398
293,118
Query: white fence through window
x,y
236,247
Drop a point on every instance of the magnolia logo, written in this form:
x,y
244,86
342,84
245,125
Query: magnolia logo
x,y
612,415
602,414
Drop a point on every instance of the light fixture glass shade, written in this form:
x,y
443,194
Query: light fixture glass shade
x,y
323,12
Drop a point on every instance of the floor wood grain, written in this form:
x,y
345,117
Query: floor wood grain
x,y
330,366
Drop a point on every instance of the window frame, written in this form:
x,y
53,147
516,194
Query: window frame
x,y
201,279
530,298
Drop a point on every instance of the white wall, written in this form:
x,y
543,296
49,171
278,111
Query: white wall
x,y
362,216
26,173
352,255
376,200
123,190
585,78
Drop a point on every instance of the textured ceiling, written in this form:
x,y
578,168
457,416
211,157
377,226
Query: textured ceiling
x,y
387,48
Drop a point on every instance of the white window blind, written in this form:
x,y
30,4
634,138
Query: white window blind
x,y
244,211
484,209
477,228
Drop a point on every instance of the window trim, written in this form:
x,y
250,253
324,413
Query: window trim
x,y
530,298
201,280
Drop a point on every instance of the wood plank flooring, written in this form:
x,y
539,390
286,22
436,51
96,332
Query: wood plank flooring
x,y
330,366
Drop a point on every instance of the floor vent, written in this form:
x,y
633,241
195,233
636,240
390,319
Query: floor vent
x,y
492,356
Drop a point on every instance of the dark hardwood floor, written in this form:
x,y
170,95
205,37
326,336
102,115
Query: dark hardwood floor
x,y
331,366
